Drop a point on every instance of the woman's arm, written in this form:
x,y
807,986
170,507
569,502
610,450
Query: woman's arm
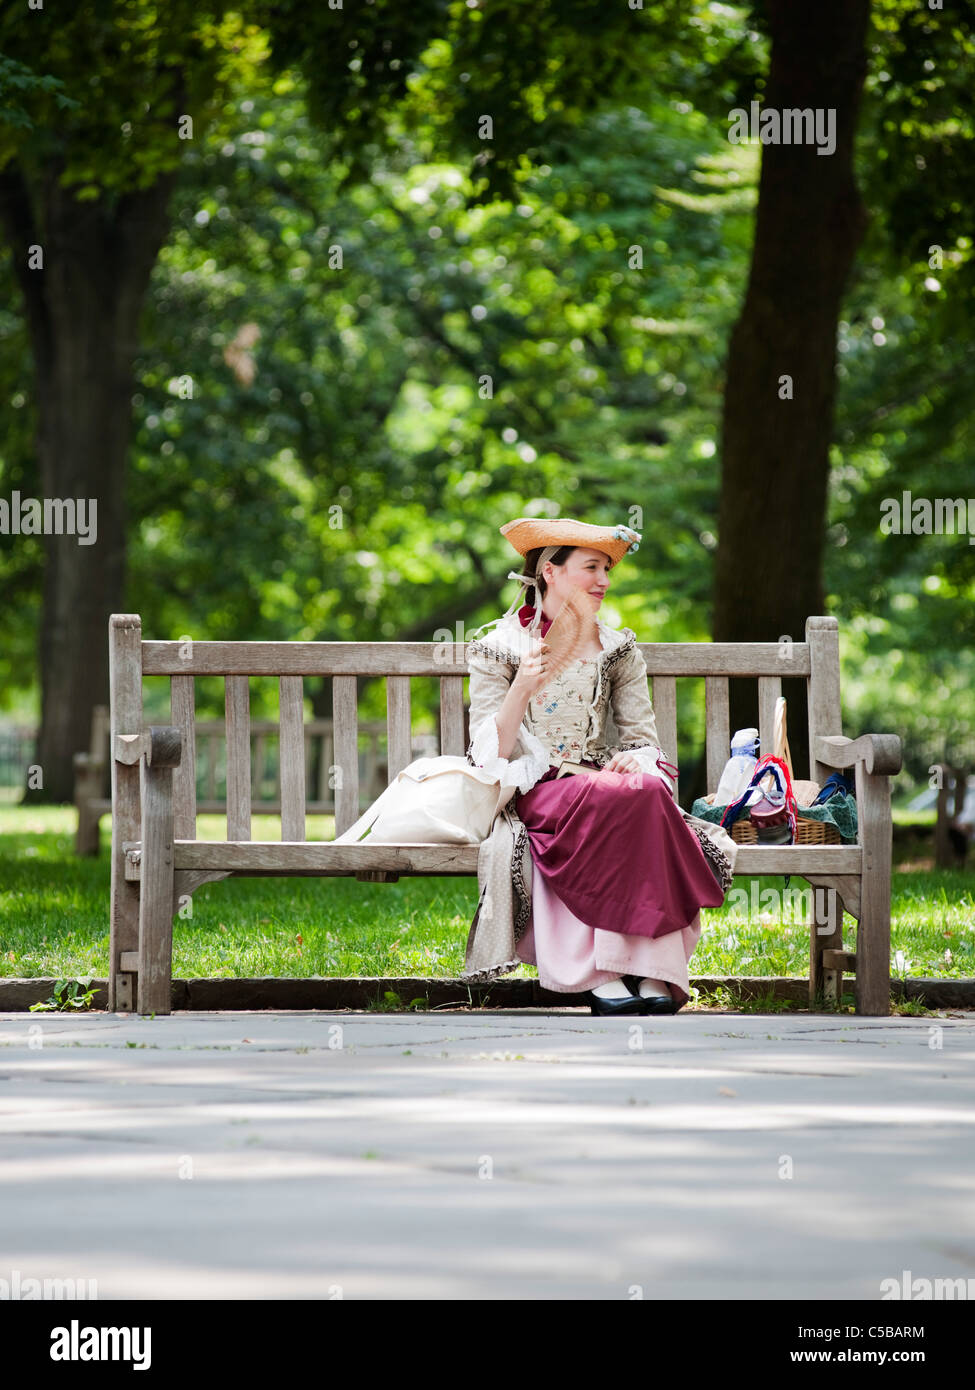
x,y
509,718
500,743
633,716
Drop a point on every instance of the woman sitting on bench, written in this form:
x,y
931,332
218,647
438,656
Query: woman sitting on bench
x,y
619,870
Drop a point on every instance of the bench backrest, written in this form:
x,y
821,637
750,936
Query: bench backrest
x,y
210,742
132,658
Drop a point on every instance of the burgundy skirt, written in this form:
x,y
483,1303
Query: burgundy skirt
x,y
617,851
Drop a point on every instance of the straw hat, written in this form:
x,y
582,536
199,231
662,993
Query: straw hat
x,y
549,535
533,533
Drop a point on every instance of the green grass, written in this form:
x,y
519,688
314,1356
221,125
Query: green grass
x,y
54,916
900,815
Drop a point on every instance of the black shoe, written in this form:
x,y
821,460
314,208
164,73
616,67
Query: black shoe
x,y
658,1004
630,1005
652,1003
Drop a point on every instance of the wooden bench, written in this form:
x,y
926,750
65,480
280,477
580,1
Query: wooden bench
x,y
157,858
92,781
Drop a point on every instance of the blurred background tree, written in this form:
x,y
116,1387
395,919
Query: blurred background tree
x,y
363,346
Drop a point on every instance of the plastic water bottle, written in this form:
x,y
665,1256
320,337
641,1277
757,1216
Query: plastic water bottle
x,y
739,767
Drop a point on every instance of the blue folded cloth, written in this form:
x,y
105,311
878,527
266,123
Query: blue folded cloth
x,y
839,782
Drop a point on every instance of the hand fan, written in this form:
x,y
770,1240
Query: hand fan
x,y
571,632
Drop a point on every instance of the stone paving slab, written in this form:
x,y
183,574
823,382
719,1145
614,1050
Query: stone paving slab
x,y
528,1154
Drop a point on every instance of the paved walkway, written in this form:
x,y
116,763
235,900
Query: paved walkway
x,y
528,1154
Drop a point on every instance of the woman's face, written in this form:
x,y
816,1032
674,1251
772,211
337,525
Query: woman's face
x,y
585,569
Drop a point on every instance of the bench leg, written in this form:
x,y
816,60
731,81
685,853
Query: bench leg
x,y
873,932
124,908
89,837
87,789
125,674
825,934
156,895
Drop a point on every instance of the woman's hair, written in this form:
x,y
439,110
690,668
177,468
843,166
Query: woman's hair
x,y
531,560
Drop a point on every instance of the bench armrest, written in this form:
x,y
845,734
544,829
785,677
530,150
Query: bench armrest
x,y
162,746
879,753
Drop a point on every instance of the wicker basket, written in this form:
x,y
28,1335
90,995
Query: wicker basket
x,y
808,832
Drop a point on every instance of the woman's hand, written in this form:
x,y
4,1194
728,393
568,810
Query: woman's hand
x,y
531,675
622,762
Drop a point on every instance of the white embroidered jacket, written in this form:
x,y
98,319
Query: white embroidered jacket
x,y
619,717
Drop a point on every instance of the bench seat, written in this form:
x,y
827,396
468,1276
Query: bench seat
x,y
250,858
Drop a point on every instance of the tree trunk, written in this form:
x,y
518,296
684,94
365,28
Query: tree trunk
x,y
775,451
83,310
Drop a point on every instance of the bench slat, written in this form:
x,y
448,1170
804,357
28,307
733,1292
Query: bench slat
x,y
212,764
452,715
823,646
400,744
292,757
303,659
257,771
725,658
371,760
769,690
325,765
182,709
718,736
273,858
427,659
345,713
237,704
664,702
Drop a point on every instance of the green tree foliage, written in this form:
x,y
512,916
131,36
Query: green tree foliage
x,y
341,472
346,474
118,76
20,85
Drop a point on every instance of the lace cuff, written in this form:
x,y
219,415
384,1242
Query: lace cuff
x,y
654,761
521,773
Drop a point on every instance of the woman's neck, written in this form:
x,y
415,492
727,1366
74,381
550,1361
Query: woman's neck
x,y
525,614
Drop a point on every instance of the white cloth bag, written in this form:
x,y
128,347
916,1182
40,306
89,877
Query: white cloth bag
x,y
439,801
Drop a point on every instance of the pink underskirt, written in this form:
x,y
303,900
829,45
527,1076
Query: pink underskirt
x,y
572,957
618,852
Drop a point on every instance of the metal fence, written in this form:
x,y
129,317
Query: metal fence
x,y
17,744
